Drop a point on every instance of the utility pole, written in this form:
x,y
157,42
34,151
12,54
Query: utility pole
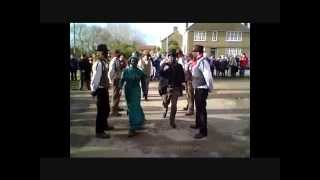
x,y
167,45
74,39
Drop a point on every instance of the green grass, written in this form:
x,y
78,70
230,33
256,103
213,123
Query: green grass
x,y
75,85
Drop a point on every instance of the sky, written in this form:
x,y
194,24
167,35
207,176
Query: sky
x,y
153,32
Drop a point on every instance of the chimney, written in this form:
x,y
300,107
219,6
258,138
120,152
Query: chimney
x,y
175,29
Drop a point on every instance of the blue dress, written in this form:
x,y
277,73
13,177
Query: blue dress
x,y
132,77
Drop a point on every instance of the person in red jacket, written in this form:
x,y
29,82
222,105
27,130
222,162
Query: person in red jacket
x,y
243,64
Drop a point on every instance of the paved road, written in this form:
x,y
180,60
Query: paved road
x,y
228,110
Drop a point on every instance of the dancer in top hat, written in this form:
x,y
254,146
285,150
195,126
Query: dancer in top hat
x,y
99,88
202,82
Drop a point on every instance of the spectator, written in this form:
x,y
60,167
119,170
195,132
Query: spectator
x,y
243,64
212,61
85,71
233,65
73,68
156,63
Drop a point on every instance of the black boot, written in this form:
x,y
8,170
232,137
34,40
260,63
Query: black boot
x,y
193,126
189,113
115,114
165,113
173,124
108,128
132,133
199,136
102,135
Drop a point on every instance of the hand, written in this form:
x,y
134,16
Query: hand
x,y
166,67
183,87
93,93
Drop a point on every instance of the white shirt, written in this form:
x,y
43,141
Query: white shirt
x,y
204,67
162,61
181,60
148,67
96,75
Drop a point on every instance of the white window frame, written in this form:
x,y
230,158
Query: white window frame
x,y
235,36
216,37
198,36
233,51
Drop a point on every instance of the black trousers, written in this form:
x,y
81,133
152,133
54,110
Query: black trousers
x,y
233,71
81,79
201,111
84,78
73,75
103,108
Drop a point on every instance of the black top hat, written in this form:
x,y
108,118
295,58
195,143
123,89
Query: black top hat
x,y
172,52
102,47
197,48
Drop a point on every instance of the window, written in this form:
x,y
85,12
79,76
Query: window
x,y
233,36
233,51
215,36
199,36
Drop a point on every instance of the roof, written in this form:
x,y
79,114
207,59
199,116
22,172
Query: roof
x,y
218,27
167,36
170,35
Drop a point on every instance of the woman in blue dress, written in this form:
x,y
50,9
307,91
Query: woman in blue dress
x,y
132,77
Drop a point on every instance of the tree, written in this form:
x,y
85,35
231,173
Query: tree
x,y
162,51
173,45
84,38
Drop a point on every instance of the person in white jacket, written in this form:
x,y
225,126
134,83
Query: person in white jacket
x,y
202,82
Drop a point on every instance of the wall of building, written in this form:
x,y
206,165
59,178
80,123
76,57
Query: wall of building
x,y
220,44
176,36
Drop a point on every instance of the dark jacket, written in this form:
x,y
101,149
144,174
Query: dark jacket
x,y
73,64
156,64
85,65
171,77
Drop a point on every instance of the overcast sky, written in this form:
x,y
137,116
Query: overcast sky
x,y
152,32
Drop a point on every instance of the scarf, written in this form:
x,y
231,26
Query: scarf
x,y
194,61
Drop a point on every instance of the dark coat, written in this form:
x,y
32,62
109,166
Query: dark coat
x,y
74,64
171,77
